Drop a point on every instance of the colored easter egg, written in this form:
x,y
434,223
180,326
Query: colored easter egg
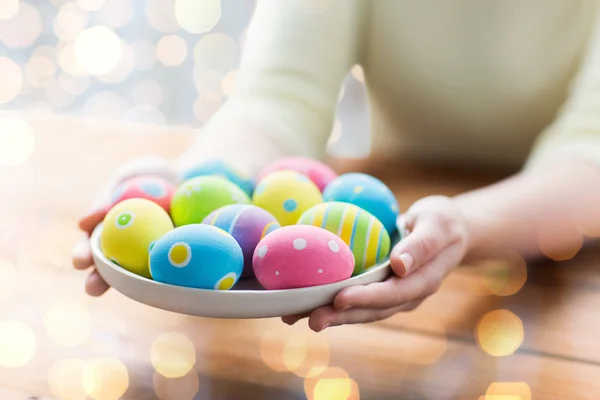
x,y
316,171
223,169
248,224
154,188
359,229
130,229
195,198
197,256
286,195
368,193
301,256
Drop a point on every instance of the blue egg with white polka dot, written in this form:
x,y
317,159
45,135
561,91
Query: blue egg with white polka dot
x,y
368,193
197,256
223,169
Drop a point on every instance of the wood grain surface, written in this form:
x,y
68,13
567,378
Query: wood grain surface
x,y
543,327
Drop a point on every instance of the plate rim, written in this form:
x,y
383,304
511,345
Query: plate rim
x,y
97,252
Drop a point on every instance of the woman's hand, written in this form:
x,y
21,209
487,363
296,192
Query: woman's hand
x,y
82,254
437,241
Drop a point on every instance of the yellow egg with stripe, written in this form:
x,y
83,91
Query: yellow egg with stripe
x,y
129,231
360,230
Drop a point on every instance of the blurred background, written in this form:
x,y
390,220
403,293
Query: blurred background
x,y
163,62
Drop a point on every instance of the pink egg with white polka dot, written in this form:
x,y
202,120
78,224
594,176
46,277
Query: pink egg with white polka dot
x,y
298,256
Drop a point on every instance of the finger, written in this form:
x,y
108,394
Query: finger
x,y
425,241
292,319
82,254
95,285
325,317
397,291
90,221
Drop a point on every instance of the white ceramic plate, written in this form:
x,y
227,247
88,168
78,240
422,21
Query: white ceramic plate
x,y
245,300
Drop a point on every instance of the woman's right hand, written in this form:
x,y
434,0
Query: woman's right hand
x,y
82,253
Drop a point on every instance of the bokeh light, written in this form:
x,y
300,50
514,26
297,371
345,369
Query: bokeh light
x,y
40,71
171,50
105,105
173,354
66,59
161,15
91,5
70,21
123,69
333,383
560,240
208,81
144,55
504,276
197,16
8,280
358,73
17,141
8,9
216,51
272,345
206,105
11,80
68,322
65,379
229,81
116,13
305,354
23,28
499,333
105,379
183,388
148,92
98,50
17,344
45,51
73,85
508,391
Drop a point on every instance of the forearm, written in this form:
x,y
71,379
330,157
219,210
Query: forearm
x,y
542,211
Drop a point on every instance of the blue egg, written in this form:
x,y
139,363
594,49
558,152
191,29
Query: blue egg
x,y
221,168
197,256
368,193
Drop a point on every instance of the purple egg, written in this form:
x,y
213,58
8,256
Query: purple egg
x,y
248,224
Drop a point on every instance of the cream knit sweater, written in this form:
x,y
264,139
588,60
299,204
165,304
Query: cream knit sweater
x,y
509,81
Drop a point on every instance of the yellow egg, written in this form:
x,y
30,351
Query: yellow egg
x,y
286,195
130,229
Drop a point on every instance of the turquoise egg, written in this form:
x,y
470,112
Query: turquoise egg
x,y
368,193
197,256
223,169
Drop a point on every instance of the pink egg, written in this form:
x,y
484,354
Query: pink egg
x,y
316,171
299,256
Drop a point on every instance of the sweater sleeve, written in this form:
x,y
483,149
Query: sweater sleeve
x,y
576,131
296,56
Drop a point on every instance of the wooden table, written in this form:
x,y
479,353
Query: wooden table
x,y
111,344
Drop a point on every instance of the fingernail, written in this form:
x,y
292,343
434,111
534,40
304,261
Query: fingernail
x,y
407,260
346,308
325,327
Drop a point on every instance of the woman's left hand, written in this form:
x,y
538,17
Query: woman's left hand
x,y
437,241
